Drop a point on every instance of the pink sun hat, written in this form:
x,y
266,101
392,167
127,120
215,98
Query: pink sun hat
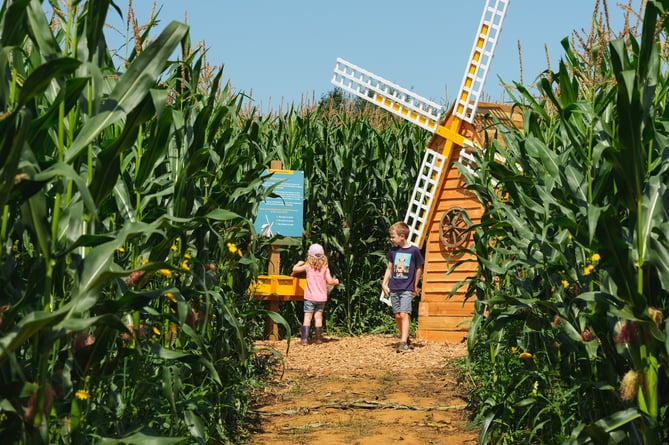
x,y
316,251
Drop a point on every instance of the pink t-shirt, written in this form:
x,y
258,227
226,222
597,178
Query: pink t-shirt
x,y
317,288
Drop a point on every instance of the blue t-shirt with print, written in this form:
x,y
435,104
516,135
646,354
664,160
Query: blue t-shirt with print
x,y
404,261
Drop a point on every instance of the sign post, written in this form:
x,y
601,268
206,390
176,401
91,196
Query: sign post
x,y
280,216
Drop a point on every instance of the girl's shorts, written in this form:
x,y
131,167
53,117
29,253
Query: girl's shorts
x,y
313,306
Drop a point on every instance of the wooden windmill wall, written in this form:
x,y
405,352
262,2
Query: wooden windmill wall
x,y
440,318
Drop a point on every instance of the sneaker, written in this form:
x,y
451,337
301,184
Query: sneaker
x,y
403,347
399,337
408,340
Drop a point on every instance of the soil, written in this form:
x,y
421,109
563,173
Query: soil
x,y
359,391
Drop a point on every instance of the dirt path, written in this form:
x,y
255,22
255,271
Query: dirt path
x,y
359,391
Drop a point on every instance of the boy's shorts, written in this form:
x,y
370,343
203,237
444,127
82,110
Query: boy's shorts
x,y
401,301
313,306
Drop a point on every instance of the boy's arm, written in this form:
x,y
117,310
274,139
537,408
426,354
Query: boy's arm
x,y
419,274
386,279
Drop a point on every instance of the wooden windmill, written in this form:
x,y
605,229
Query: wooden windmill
x,y
440,209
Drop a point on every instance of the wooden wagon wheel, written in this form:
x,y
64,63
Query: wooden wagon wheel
x,y
454,227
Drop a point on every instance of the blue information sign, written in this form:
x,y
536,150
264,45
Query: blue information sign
x,y
283,215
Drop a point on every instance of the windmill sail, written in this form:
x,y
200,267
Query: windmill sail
x,y
428,115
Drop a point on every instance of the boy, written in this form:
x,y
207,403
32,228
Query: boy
x,y
400,282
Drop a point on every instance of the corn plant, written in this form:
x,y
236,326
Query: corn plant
x,y
127,197
128,194
573,254
358,180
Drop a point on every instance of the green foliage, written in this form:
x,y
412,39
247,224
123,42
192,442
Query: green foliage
x,y
571,342
358,180
128,195
124,312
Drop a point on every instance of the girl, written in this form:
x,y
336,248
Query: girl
x,y
316,292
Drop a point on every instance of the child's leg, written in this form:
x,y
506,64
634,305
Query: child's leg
x,y
318,319
404,329
403,314
306,322
398,322
307,319
318,324
396,302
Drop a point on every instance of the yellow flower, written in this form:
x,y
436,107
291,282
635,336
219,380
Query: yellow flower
x,y
173,328
595,257
184,265
525,356
165,272
156,330
187,255
514,349
121,249
82,394
170,296
588,269
174,248
232,247
565,284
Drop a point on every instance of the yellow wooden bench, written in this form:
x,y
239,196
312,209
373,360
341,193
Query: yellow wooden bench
x,y
276,288
279,288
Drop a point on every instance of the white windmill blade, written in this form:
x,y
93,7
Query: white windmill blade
x,y
466,156
427,114
423,194
479,59
387,95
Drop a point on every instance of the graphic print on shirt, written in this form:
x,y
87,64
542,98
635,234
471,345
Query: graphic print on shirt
x,y
401,266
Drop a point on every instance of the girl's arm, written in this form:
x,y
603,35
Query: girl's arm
x,y
329,280
301,266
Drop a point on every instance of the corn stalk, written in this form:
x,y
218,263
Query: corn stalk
x,y
573,253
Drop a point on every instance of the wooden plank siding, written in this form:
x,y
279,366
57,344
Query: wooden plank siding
x,y
440,318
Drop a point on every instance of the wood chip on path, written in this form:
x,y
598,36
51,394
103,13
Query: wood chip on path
x,y
372,352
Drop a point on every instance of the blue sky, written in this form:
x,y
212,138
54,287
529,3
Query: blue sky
x,y
284,51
